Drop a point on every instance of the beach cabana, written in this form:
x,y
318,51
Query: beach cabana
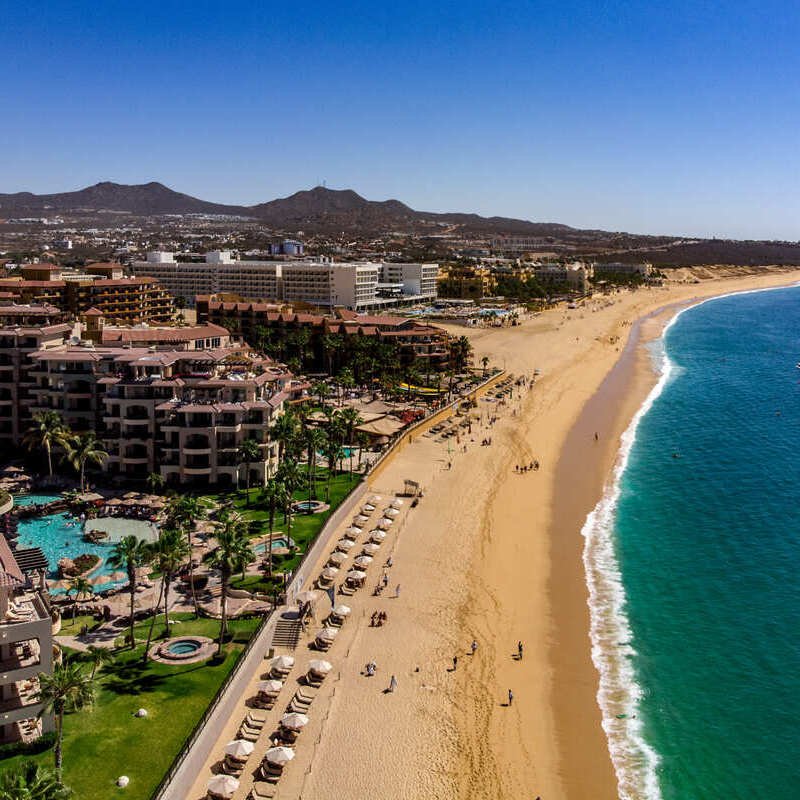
x,y
319,667
337,558
362,561
325,637
279,756
222,787
294,721
344,544
239,749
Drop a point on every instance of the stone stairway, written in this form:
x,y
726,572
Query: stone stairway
x,y
286,634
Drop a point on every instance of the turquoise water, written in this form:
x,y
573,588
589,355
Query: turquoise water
x,y
183,647
35,499
700,655
277,542
61,536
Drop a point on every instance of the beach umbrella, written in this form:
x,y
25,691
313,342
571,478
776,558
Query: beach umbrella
x,y
269,687
397,502
391,513
319,667
363,561
341,611
352,532
222,785
370,548
279,756
376,498
310,596
378,536
327,634
368,508
330,572
239,749
337,558
130,495
293,721
360,520
344,544
385,523
282,662
114,501
356,575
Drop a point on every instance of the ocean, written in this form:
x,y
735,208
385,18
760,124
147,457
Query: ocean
x,y
693,562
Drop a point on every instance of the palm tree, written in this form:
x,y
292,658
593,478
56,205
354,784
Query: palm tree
x,y
273,495
80,586
182,513
98,656
284,432
83,449
363,441
321,390
290,474
30,781
48,430
128,554
346,381
315,440
485,364
249,451
65,688
155,482
233,549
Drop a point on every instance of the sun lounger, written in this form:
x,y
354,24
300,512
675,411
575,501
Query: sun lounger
x,y
304,695
247,733
262,791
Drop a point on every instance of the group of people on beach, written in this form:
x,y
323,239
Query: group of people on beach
x,y
377,619
522,468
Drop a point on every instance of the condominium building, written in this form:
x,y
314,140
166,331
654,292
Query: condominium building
x,y
617,268
103,286
320,283
26,648
573,276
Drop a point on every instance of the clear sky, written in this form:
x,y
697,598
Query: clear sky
x,y
656,117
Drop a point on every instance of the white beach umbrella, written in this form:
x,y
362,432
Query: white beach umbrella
x,y
327,634
376,498
282,662
341,611
391,513
363,561
294,721
320,667
310,596
385,522
223,785
370,548
352,532
337,558
397,502
239,749
377,536
368,508
356,575
344,544
270,687
360,520
330,572
279,756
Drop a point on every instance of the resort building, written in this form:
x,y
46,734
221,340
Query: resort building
x,y
360,286
24,330
572,277
465,283
26,647
617,268
126,300
413,342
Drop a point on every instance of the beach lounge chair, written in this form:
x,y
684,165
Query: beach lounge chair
x,y
248,733
262,791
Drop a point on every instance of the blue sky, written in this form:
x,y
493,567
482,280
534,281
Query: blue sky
x,y
653,117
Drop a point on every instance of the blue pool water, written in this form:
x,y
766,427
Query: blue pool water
x,y
61,536
277,542
183,647
35,499
693,559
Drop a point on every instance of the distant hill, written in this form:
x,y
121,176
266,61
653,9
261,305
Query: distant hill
x,y
144,200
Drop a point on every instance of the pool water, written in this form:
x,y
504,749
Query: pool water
x,y
308,505
35,499
277,542
61,536
184,646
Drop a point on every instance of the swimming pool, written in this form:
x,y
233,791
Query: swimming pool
x,y
277,543
61,536
35,499
118,528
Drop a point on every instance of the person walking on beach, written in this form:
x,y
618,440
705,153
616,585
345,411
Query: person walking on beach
x,y
455,663
392,684
519,651
474,646
510,697
397,590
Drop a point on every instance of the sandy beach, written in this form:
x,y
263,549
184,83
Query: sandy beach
x,y
493,555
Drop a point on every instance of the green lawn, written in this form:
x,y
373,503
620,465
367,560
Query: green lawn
x,y
305,527
107,741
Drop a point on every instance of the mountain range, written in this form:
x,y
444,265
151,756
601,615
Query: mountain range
x,y
314,209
